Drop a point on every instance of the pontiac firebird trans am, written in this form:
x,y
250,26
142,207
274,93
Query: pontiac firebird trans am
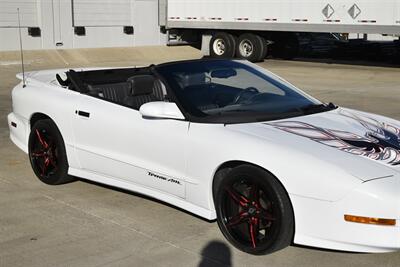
x,y
224,140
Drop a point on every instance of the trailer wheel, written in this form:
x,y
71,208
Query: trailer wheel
x,y
223,45
251,47
265,46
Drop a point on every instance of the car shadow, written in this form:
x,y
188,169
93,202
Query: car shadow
x,y
215,253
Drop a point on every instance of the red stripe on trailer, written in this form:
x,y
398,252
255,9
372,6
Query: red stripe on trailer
x,y
332,20
242,18
302,20
271,19
216,18
367,21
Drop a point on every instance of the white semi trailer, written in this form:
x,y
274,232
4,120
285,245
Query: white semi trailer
x,y
248,28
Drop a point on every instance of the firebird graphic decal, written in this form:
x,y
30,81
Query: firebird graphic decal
x,y
381,141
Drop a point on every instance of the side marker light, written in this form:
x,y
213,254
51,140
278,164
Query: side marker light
x,y
369,220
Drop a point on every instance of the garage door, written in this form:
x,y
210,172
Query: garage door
x,y
28,11
102,12
102,23
9,37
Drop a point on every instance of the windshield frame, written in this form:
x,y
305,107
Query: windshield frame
x,y
235,117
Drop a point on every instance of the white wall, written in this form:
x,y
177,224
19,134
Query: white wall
x,y
103,21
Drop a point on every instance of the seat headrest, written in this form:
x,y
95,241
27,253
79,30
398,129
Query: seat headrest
x,y
193,79
142,84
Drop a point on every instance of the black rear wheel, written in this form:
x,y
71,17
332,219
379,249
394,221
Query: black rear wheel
x,y
47,153
253,210
222,45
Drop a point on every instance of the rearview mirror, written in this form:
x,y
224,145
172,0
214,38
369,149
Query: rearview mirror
x,y
161,110
223,73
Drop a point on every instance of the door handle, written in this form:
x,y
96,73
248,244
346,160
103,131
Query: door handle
x,y
83,113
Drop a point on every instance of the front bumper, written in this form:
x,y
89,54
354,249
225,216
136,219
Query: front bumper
x,y
321,223
19,131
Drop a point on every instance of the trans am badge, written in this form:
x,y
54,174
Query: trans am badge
x,y
381,141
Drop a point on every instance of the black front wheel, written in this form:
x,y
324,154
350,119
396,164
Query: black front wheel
x,y
253,210
47,153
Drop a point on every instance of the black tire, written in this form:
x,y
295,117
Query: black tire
x,y
47,153
254,212
265,46
251,47
222,45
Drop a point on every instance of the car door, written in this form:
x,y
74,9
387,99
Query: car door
x,y
116,141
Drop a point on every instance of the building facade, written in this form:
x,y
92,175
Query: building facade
x,y
52,24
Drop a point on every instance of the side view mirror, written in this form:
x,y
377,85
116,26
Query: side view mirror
x,y
161,110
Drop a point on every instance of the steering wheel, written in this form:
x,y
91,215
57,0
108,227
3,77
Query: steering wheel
x,y
240,95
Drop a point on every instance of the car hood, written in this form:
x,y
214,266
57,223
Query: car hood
x,y
363,144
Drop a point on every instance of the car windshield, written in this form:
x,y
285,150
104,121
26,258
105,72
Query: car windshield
x,y
234,91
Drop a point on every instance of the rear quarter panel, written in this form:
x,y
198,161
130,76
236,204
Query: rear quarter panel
x,y
55,102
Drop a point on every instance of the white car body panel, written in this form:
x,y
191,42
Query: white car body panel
x,y
175,161
131,153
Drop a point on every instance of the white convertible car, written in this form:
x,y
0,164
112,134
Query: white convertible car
x,y
224,140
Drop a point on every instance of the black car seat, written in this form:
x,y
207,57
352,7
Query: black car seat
x,y
115,92
142,91
159,90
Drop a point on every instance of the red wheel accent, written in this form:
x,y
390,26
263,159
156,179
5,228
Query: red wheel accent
x,y
40,153
238,198
248,212
47,153
44,156
253,231
238,219
253,210
41,140
266,216
45,166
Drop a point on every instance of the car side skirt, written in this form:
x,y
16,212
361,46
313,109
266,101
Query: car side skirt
x,y
173,200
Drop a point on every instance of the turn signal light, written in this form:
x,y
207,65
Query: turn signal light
x,y
368,220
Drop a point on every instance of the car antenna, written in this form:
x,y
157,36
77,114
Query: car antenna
x,y
22,53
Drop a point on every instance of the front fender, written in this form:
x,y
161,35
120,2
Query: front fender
x,y
300,173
